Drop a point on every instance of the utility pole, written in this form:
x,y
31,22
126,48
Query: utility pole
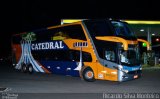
x,y
149,37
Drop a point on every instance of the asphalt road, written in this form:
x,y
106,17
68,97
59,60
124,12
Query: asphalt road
x,y
51,86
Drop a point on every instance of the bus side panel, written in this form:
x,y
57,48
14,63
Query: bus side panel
x,y
104,73
61,67
111,74
70,70
100,74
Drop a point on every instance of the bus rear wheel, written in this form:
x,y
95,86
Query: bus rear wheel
x,y
88,75
30,69
24,68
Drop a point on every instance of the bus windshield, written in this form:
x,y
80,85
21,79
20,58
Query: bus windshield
x,y
130,57
122,29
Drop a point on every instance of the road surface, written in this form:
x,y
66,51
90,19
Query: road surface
x,y
52,86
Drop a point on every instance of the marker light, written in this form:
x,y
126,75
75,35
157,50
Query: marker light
x,y
141,30
144,44
126,71
153,34
157,39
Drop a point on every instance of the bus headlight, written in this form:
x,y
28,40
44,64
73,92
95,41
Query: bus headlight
x,y
126,71
120,67
140,68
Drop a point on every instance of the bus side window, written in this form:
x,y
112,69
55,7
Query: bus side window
x,y
75,56
68,32
37,55
75,32
53,56
87,57
110,55
61,55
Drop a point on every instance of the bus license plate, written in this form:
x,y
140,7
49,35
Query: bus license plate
x,y
135,76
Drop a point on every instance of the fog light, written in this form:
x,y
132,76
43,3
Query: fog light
x,y
120,67
141,68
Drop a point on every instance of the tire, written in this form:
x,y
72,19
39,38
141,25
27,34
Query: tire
x,y
30,69
24,68
88,75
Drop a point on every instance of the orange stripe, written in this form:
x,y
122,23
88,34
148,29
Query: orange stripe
x,y
47,71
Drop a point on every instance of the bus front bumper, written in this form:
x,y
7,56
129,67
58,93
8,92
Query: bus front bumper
x,y
122,76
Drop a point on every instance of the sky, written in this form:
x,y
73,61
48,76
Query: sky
x,y
27,15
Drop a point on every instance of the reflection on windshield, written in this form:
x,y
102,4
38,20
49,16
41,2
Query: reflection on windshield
x,y
130,57
110,55
122,29
124,58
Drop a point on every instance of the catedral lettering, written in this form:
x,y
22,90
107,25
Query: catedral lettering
x,y
91,49
47,45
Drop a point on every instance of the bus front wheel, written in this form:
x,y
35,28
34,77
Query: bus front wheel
x,y
88,75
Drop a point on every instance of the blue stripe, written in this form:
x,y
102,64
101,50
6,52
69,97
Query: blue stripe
x,y
131,68
31,59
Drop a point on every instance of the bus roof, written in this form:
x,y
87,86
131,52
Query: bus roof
x,y
50,27
64,21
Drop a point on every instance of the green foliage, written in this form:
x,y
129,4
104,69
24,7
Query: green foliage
x,y
30,36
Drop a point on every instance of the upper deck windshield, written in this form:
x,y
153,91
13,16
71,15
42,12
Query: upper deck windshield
x,y
122,29
110,28
99,28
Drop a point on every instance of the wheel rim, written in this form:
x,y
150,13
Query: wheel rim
x,y
24,68
89,75
30,69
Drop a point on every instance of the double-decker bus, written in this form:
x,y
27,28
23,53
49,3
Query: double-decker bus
x,y
91,49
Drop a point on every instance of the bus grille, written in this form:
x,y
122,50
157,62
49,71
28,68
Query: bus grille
x,y
134,72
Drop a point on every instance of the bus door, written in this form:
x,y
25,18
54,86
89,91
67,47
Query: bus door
x,y
70,68
72,63
76,63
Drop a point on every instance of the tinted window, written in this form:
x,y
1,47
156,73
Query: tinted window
x,y
61,33
85,56
102,28
110,55
99,28
74,32
61,55
122,29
